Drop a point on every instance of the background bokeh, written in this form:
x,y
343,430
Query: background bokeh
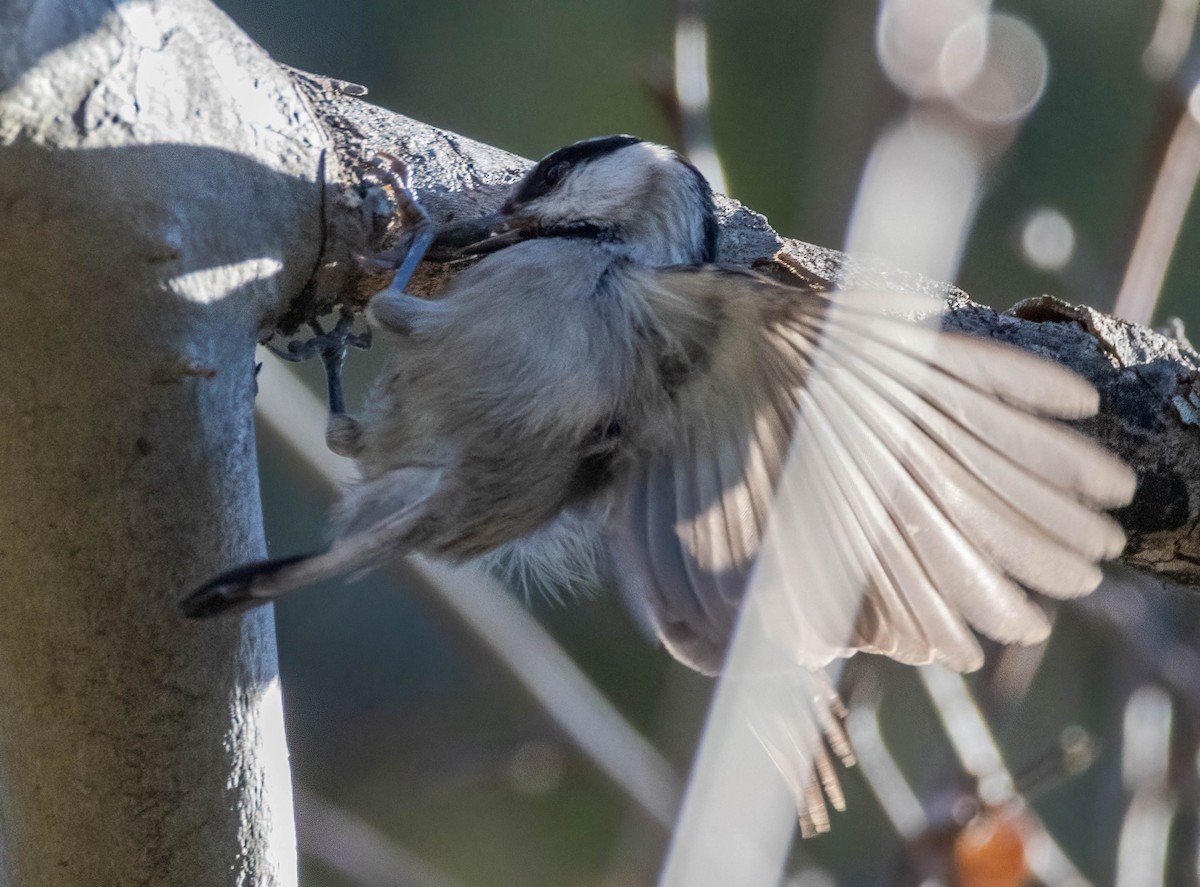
x,y
393,710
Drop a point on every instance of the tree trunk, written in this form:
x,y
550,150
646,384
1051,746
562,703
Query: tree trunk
x,y
159,198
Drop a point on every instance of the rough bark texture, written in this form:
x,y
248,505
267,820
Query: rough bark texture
x,y
1149,383
158,200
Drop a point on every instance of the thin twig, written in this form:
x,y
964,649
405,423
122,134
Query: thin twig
x,y
1163,219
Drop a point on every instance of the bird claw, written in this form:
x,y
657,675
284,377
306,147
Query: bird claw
x,y
391,174
388,175
331,346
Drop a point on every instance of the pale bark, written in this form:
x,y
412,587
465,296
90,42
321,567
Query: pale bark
x,y
158,200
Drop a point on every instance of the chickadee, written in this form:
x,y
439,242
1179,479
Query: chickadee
x,y
596,395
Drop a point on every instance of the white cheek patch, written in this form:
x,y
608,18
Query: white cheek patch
x,y
608,183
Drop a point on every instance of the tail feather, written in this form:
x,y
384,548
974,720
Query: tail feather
x,y
241,588
393,518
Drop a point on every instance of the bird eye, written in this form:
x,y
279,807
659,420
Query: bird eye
x,y
555,173
540,181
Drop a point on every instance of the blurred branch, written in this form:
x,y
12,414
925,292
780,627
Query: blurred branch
x,y
1129,603
1172,159
969,733
692,91
882,773
582,712
1173,34
1163,219
1146,753
354,847
1149,384
680,88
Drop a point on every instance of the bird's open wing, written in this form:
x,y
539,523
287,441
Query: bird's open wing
x,y
895,483
859,480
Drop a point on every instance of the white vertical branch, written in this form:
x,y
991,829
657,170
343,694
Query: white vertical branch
x,y
692,91
1145,769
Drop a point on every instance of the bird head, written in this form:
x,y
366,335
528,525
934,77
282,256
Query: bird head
x,y
641,200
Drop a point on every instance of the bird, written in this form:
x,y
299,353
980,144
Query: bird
x,y
595,398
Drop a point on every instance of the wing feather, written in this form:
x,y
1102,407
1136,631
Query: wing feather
x,y
881,486
666,549
901,590
1012,534
934,484
984,596
699,516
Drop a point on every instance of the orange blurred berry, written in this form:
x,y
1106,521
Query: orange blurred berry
x,y
990,850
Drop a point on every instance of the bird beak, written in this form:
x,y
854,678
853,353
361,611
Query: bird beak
x,y
478,237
